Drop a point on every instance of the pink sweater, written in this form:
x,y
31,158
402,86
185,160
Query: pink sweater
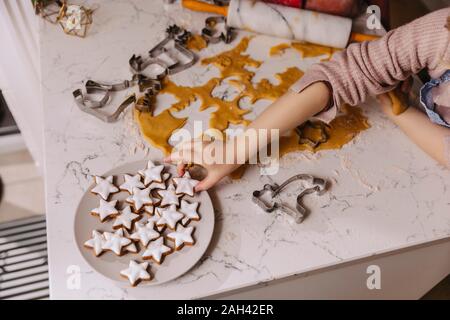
x,y
372,68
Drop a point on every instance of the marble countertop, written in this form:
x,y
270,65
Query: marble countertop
x,y
385,193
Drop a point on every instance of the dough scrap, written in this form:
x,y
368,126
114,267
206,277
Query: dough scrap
x,y
306,50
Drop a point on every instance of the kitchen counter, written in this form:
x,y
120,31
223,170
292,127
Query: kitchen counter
x,y
385,194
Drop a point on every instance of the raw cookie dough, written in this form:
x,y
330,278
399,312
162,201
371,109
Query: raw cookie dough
x,y
340,131
306,50
196,43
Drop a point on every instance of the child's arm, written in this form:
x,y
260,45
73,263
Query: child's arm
x,y
432,138
370,68
284,114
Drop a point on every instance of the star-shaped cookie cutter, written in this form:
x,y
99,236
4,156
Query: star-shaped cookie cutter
x,y
316,126
317,185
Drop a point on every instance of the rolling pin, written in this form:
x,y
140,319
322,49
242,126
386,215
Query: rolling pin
x,y
283,22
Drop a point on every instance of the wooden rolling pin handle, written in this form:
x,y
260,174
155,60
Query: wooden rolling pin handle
x,y
360,37
204,7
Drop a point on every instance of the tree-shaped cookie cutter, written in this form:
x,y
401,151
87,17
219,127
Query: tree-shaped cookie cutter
x,y
316,185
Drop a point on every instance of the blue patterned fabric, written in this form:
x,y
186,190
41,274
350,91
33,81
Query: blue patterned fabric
x,y
426,99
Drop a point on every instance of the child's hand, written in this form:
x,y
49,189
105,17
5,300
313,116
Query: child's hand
x,y
196,151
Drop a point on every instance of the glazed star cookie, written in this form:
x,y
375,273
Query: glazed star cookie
x,y
152,173
160,185
105,210
169,217
154,219
145,233
182,237
131,182
132,248
139,198
104,187
96,243
136,272
190,212
115,242
169,196
125,219
185,184
156,251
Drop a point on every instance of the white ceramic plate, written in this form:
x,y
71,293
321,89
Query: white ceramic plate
x,y
110,265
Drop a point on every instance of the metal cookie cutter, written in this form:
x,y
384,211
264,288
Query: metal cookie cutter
x,y
144,83
318,186
317,126
81,103
209,32
139,64
179,37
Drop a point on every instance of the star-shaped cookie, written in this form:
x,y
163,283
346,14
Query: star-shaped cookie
x,y
131,182
156,251
136,272
185,184
169,217
96,243
105,210
139,198
169,196
182,237
190,212
115,242
152,173
125,219
145,233
104,187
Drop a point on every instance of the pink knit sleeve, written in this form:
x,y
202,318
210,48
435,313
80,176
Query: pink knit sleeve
x,y
371,68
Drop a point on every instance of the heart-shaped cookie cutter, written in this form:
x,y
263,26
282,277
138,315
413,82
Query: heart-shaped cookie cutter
x,y
317,185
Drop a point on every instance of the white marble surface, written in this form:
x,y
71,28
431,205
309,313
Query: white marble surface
x,y
386,194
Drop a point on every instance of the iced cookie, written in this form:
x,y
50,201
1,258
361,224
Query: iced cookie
x,y
169,196
105,210
190,212
145,233
152,173
154,219
125,219
150,209
169,217
182,237
140,198
96,243
104,187
185,184
136,272
156,251
160,185
132,247
115,242
131,182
